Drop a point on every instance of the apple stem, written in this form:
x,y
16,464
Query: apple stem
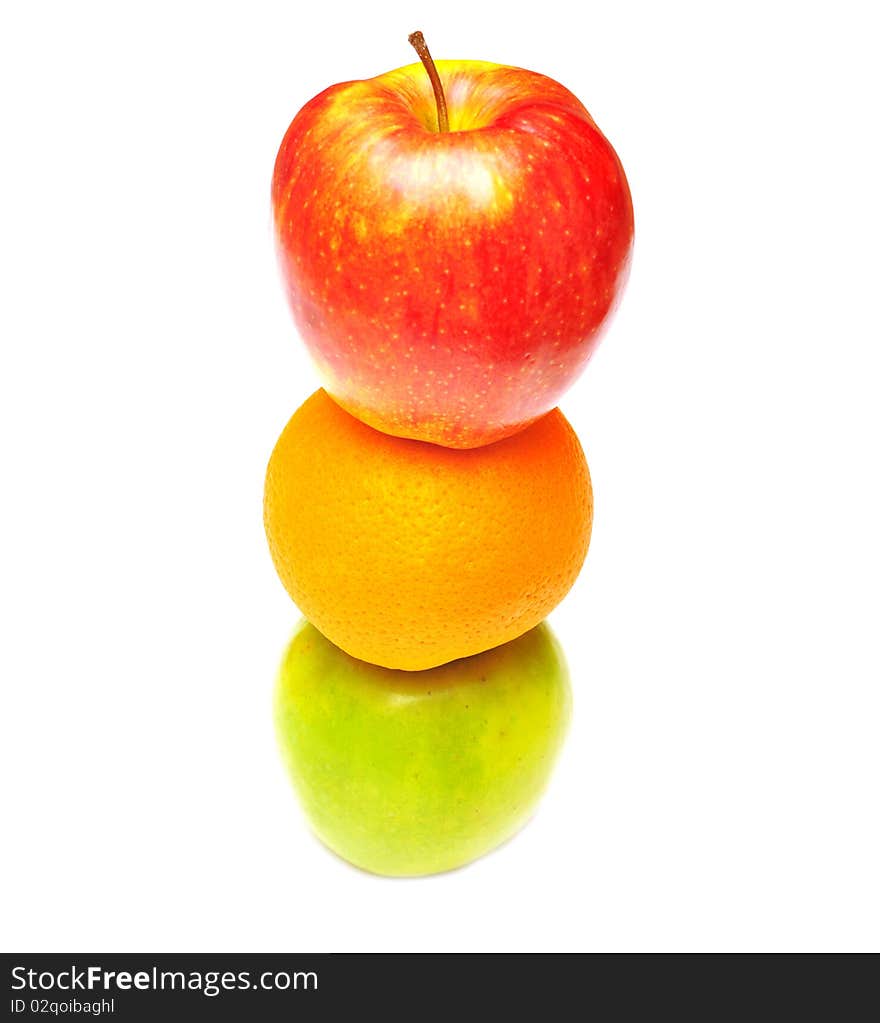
x,y
421,47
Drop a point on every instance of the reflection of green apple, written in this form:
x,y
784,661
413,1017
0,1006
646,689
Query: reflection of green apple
x,y
415,772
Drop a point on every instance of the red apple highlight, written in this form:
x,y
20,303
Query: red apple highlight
x,y
450,284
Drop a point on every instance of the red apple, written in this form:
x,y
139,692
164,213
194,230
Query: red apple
x,y
450,284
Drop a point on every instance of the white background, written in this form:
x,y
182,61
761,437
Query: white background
x,y
719,786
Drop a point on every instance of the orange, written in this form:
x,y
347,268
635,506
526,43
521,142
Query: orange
x,y
409,555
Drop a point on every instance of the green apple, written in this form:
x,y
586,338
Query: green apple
x,y
416,772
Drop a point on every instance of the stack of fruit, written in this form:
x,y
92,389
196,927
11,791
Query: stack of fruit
x,y
452,239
